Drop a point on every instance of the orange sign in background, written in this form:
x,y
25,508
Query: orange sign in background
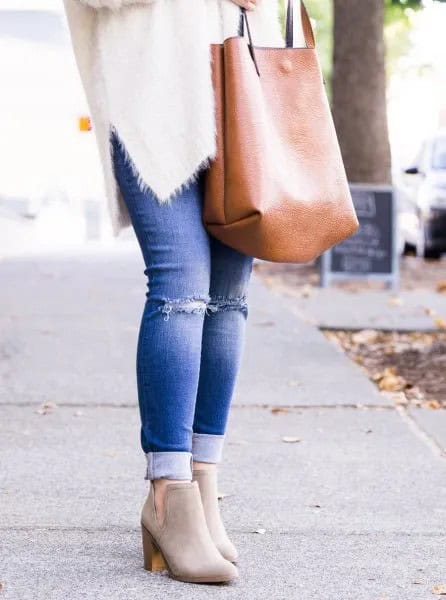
x,y
85,123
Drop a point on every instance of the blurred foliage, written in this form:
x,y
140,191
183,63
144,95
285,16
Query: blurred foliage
x,y
321,13
398,21
400,10
397,25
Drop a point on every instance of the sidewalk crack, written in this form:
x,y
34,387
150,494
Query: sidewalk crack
x,y
421,433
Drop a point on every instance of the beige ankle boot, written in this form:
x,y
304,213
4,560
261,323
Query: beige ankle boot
x,y
182,543
207,482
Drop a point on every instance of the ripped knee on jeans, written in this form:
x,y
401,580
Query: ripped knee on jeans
x,y
190,305
224,303
202,305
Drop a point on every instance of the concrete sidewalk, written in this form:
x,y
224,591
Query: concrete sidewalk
x,y
355,510
406,310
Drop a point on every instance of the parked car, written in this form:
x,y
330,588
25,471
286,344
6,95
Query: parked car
x,y
422,203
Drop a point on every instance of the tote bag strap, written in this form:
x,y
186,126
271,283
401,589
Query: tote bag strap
x,y
289,27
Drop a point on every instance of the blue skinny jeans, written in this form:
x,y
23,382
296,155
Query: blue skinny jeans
x,y
192,328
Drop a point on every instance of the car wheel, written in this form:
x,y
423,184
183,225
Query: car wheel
x,y
409,249
432,254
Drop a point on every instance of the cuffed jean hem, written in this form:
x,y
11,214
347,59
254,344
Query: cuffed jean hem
x,y
207,447
170,465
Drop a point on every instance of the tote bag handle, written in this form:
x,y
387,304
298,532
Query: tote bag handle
x,y
289,28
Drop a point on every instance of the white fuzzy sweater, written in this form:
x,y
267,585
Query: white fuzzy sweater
x,y
145,66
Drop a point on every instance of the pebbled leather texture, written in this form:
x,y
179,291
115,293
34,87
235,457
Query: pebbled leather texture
x,y
277,189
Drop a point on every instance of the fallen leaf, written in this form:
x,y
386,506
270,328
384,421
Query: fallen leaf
x,y
380,375
439,590
306,291
49,405
46,408
441,286
389,381
432,404
365,336
440,323
395,301
279,409
290,439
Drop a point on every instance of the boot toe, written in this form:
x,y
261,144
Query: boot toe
x,y
222,571
228,550
229,572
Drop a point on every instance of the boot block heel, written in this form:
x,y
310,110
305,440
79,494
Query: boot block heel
x,y
153,558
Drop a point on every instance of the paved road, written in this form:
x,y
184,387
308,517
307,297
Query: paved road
x,y
355,510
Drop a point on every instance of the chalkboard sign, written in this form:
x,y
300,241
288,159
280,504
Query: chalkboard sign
x,y
371,252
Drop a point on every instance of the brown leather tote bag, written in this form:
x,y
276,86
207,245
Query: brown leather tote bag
x,y
277,189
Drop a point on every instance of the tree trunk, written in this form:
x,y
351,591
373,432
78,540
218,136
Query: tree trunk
x,y
359,90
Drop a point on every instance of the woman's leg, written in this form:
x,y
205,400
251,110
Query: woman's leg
x,y
223,337
222,345
176,252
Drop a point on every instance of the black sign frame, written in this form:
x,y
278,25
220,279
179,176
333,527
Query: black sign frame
x,y
380,263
